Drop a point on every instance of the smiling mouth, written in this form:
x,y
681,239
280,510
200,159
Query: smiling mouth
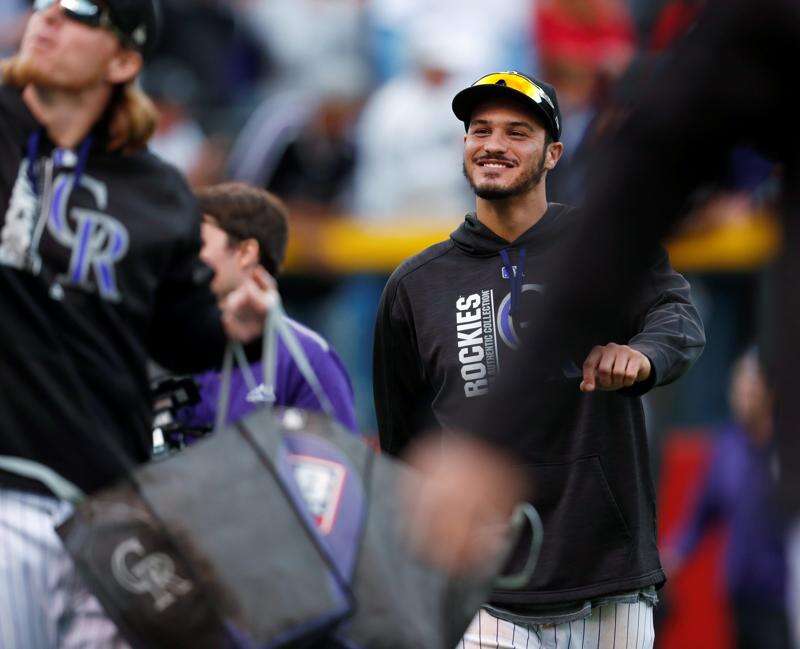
x,y
494,164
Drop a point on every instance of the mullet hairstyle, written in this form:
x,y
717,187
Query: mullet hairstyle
x,y
131,116
245,212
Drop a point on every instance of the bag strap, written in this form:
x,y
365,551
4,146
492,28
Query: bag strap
x,y
276,324
285,330
61,487
525,513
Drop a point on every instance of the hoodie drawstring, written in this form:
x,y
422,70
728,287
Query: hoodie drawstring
x,y
33,151
516,278
46,192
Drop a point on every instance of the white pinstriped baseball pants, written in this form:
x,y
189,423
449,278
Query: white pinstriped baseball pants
x,y
43,603
611,626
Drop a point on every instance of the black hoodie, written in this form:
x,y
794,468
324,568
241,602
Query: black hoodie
x,y
451,318
93,280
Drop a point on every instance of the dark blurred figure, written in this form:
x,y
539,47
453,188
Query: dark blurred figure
x,y
299,143
315,172
644,14
739,492
723,88
608,100
584,47
657,19
674,19
180,138
211,41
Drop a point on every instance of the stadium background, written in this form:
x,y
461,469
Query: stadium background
x,y
341,107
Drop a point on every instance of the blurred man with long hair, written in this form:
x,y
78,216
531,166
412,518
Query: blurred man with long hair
x,y
98,270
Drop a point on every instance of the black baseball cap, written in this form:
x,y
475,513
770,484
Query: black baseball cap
x,y
138,20
537,95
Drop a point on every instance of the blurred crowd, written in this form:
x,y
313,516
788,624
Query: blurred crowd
x,y
342,108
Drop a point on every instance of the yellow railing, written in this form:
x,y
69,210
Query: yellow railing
x,y
740,245
346,246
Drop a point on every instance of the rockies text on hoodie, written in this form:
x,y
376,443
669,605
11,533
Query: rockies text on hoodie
x,y
450,320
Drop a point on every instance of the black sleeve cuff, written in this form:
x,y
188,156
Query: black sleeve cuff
x,y
643,387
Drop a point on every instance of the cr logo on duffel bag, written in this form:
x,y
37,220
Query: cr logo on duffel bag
x,y
147,573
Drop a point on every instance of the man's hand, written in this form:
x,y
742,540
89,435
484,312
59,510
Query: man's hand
x,y
612,367
244,310
459,513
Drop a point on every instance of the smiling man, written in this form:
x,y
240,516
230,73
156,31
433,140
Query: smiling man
x,y
450,321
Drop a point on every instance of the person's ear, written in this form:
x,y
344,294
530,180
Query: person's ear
x,y
553,155
124,66
249,253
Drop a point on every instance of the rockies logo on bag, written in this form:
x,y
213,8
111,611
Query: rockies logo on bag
x,y
152,573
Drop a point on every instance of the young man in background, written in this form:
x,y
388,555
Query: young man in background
x,y
244,228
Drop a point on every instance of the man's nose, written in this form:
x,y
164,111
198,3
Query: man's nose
x,y
53,13
495,143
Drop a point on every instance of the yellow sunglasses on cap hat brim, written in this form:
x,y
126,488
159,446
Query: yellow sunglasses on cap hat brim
x,y
516,82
